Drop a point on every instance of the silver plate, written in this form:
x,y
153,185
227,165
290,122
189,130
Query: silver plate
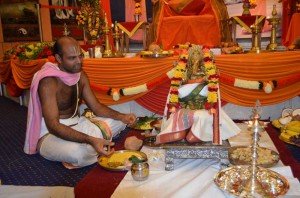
x,y
233,179
155,55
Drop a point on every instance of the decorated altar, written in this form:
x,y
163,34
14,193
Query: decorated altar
x,y
270,77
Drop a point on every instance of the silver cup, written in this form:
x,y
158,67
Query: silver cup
x,y
91,52
140,171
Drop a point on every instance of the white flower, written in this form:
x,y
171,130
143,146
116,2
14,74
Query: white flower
x,y
268,88
246,84
116,96
135,90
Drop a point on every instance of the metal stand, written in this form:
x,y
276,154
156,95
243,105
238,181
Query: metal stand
x,y
252,186
106,30
185,150
274,22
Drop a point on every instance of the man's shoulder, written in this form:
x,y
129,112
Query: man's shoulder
x,y
48,81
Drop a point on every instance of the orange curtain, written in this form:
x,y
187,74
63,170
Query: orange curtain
x,y
202,29
23,71
132,72
156,99
5,71
124,73
293,32
259,67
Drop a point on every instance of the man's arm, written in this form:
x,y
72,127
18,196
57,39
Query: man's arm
x,y
48,98
99,109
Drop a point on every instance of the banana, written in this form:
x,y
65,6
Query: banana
x,y
285,137
294,126
276,123
292,133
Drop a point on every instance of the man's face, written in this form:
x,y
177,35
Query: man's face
x,y
71,60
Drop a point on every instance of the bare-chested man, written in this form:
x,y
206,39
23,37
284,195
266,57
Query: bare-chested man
x,y
63,135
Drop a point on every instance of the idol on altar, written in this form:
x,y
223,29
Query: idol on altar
x,y
193,111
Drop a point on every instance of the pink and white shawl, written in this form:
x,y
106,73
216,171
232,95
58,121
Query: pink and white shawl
x,y
34,116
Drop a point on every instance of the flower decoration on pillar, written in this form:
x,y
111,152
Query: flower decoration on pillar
x,y
137,10
138,7
90,18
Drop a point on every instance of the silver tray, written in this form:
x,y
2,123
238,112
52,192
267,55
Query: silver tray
x,y
155,55
183,144
244,157
233,179
104,161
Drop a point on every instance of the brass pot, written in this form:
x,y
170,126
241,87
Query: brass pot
x,y
140,171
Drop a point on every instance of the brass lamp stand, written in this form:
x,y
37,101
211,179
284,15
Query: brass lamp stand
x,y
274,21
66,31
118,36
106,30
256,30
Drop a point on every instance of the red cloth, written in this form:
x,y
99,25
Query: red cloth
x,y
285,154
293,30
159,95
100,182
129,25
13,88
250,20
286,17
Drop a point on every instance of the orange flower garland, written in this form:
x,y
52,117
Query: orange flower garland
x,y
212,79
267,86
175,84
138,7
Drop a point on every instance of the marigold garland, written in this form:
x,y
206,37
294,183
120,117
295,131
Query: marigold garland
x,y
116,92
175,83
137,7
212,80
267,86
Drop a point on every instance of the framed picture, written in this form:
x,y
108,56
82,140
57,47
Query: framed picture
x,y
64,14
19,21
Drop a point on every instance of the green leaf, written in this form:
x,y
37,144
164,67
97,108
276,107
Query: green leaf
x,y
135,159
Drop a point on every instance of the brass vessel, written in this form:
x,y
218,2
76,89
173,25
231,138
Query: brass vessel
x,y
274,22
106,30
256,30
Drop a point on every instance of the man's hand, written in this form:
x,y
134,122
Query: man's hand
x,y
129,119
98,144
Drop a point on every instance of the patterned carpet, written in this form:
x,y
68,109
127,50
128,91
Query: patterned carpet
x,y
18,168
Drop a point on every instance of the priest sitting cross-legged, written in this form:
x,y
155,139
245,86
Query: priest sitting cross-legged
x,y
191,120
54,127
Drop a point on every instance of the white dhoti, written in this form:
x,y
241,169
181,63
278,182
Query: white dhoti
x,y
77,154
197,122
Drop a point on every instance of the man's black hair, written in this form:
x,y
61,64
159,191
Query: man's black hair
x,y
57,48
